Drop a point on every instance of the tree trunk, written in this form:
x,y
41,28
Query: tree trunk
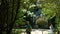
x,y
5,24
13,22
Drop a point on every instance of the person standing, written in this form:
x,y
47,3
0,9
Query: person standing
x,y
28,28
51,29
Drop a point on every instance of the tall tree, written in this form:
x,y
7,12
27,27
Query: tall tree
x,y
8,14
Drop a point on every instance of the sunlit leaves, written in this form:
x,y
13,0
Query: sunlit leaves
x,y
49,9
25,6
54,6
42,20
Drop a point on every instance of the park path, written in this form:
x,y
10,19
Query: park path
x,y
38,31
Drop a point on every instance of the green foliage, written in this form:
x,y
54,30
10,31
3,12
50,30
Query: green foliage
x,y
58,20
42,21
49,9
58,23
24,7
54,7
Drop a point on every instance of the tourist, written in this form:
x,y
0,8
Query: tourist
x,y
28,28
51,29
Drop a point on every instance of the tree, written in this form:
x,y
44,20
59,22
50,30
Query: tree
x,y
57,9
49,9
8,15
